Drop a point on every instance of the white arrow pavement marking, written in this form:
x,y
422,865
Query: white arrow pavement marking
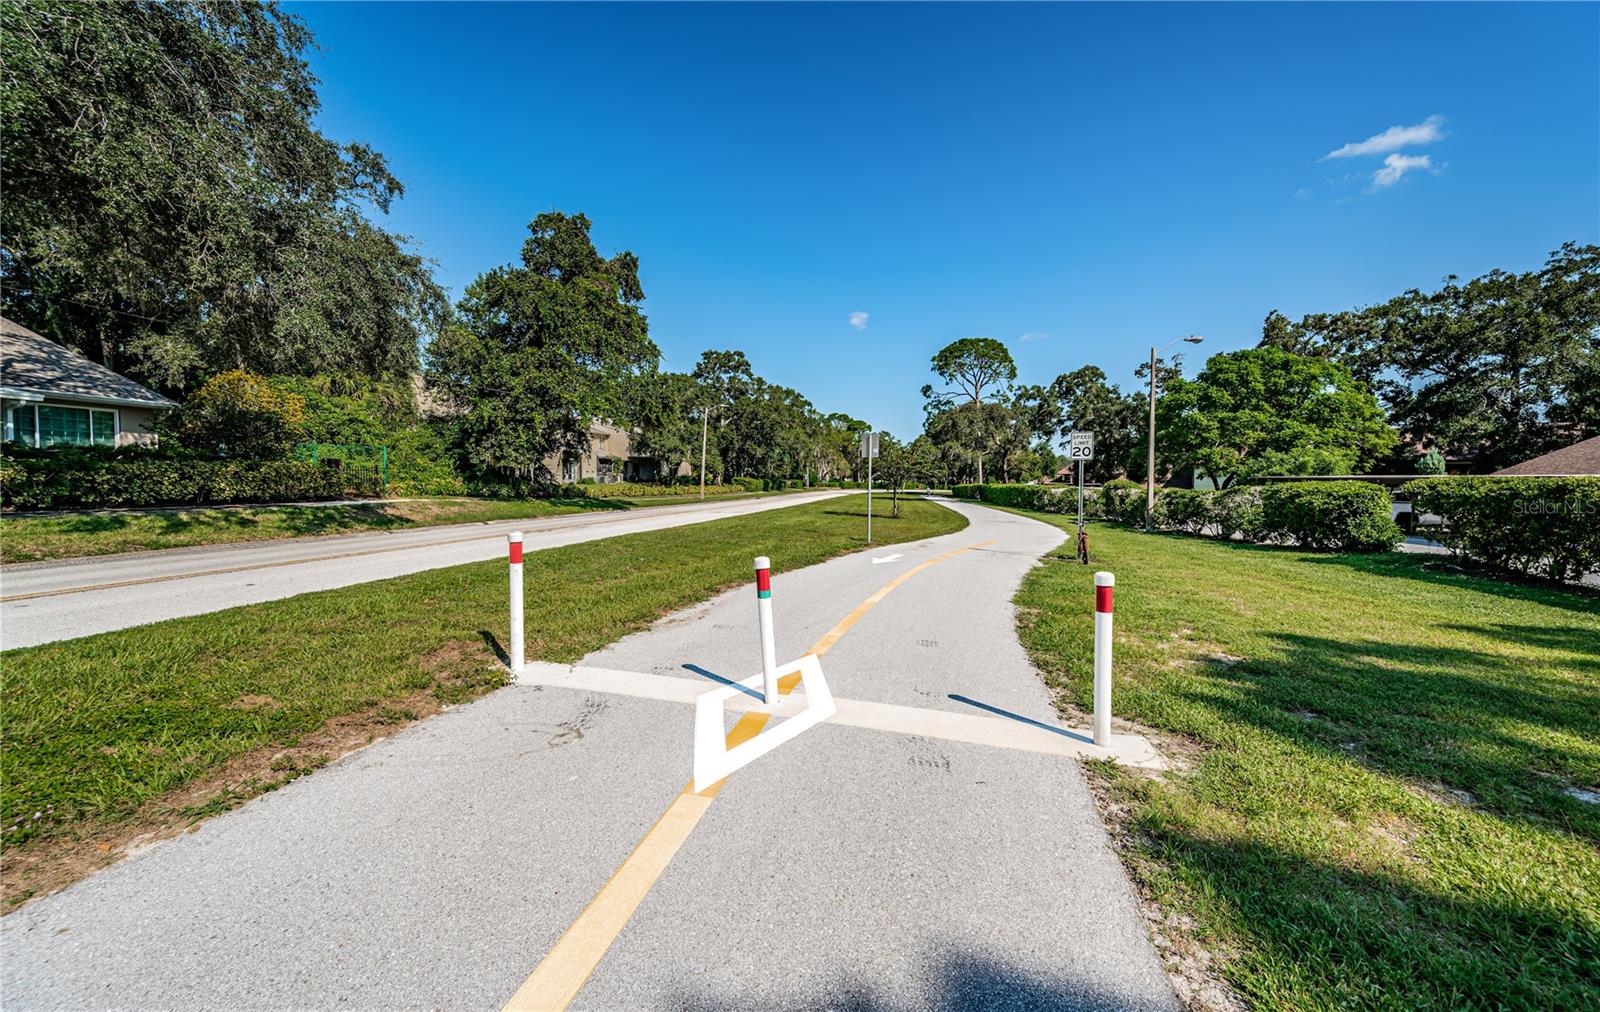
x,y
886,558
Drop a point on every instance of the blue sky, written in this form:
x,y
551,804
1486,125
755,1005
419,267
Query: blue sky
x,y
1078,181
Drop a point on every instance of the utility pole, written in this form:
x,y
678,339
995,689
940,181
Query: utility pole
x,y
1150,461
704,414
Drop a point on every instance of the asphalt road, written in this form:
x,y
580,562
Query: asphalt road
x,y
849,868
43,602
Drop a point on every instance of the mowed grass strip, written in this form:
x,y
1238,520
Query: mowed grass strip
x,y
33,539
100,728
1382,798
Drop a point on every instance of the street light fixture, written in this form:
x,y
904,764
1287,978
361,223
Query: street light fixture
x,y
1150,465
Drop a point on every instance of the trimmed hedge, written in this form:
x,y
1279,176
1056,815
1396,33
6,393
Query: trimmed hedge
x,y
1041,498
98,481
1346,516
633,490
1185,509
1031,497
1547,527
1123,500
1237,512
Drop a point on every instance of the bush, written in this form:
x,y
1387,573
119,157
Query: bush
x,y
633,490
1123,500
1185,509
1237,511
748,484
1546,527
240,415
1349,516
74,480
1030,497
967,491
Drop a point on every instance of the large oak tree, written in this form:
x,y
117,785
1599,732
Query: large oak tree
x,y
1499,368
542,348
172,211
1269,411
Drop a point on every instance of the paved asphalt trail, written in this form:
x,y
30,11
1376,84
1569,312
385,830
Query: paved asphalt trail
x,y
191,581
849,868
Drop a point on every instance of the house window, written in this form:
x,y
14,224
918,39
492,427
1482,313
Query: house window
x,y
61,426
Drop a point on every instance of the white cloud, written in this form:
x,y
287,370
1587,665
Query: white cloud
x,y
1396,166
1392,139
858,320
1033,335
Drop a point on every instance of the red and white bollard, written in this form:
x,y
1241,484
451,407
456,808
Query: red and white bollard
x,y
1104,584
515,649
769,651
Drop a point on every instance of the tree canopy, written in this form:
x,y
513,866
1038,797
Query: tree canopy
x,y
172,211
972,365
1269,411
541,349
1088,402
1499,368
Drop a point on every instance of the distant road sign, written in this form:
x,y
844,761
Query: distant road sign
x,y
869,445
1080,446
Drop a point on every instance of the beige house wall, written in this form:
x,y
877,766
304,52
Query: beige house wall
x,y
136,425
609,458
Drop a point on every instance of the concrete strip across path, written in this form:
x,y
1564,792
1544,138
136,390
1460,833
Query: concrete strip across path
x,y
850,867
42,602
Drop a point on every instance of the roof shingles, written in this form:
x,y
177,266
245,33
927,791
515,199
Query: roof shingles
x,y
33,362
1579,458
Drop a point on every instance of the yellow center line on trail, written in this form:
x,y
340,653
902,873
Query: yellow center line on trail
x,y
566,967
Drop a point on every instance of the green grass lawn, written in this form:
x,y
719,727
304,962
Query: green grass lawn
x,y
1374,805
29,539
118,728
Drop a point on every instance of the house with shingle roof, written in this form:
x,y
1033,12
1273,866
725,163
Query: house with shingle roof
x,y
1581,458
53,396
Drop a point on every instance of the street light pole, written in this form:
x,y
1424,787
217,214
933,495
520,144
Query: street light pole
x,y
1150,461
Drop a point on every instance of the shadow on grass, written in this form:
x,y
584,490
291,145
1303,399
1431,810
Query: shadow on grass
x,y
490,641
1428,569
295,520
1364,939
591,504
1583,642
1463,718
1424,568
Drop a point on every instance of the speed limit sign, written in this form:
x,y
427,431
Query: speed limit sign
x,y
1080,446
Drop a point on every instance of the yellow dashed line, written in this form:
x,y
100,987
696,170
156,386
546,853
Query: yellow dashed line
x,y
567,966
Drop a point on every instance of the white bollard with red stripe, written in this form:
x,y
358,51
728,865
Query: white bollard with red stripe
x,y
1104,585
769,651
516,647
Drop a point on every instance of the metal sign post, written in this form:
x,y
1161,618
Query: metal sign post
x,y
1080,447
869,451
